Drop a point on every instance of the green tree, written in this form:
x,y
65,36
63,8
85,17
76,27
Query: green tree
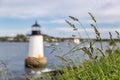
x,y
3,38
20,38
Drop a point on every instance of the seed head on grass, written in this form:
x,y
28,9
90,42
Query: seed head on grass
x,y
112,42
86,50
118,34
71,24
73,36
75,19
110,35
93,18
62,58
91,47
96,31
101,51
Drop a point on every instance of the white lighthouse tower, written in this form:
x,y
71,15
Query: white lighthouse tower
x,y
36,50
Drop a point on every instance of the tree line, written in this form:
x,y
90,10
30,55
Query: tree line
x,y
25,38
17,38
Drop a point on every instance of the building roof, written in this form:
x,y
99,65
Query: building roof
x,y
36,24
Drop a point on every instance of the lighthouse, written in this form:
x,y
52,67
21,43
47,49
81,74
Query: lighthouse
x,y
36,57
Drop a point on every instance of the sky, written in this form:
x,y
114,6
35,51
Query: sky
x,y
17,17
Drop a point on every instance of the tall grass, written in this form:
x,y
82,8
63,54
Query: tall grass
x,y
5,73
104,67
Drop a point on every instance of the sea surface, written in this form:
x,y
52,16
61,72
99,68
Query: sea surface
x,y
13,54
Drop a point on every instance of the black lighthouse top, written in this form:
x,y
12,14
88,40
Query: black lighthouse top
x,y
36,29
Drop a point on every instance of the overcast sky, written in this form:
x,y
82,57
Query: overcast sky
x,y
17,16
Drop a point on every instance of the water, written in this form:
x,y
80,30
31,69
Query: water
x,y
14,54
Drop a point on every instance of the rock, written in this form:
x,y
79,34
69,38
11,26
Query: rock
x,y
32,62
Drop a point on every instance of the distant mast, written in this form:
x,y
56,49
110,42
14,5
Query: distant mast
x,y
36,54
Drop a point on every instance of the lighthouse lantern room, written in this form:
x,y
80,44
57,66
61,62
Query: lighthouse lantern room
x,y
36,29
36,50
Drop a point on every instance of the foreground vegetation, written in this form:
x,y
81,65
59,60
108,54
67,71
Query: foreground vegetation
x,y
103,64
106,68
